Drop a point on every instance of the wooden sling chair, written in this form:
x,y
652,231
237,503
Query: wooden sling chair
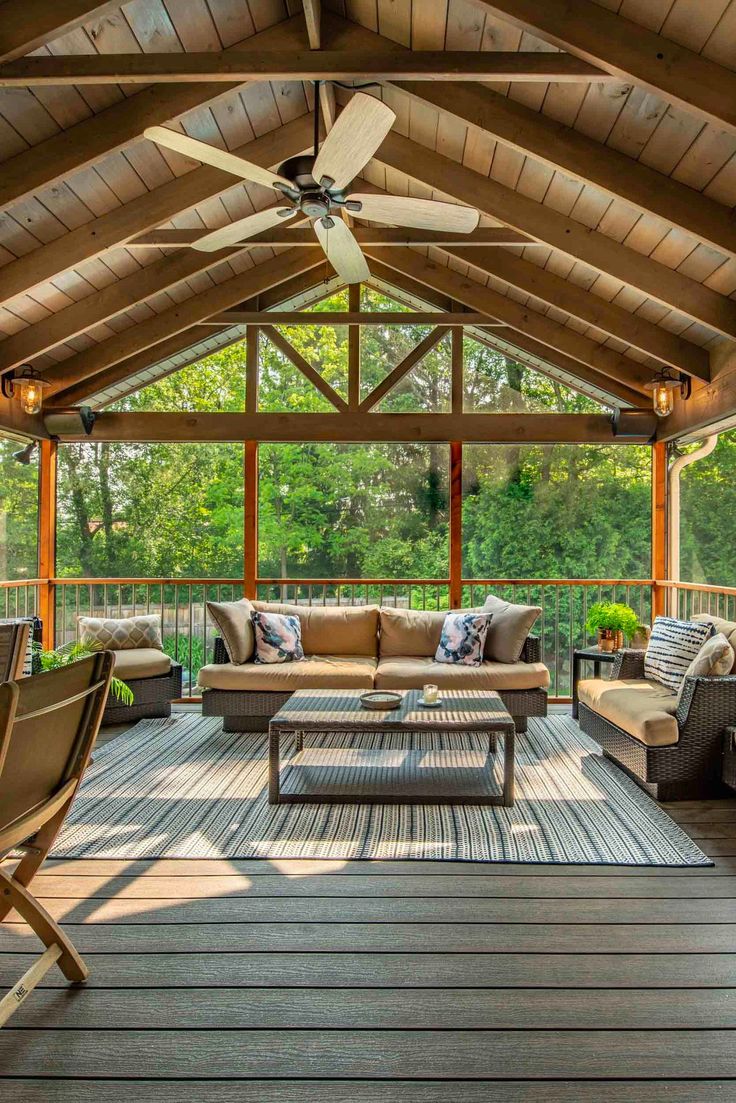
x,y
13,646
48,726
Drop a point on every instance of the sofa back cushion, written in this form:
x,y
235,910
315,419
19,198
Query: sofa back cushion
x,y
332,629
673,645
726,627
233,618
509,628
113,634
410,632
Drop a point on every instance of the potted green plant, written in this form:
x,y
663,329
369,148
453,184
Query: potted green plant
x,y
611,622
72,653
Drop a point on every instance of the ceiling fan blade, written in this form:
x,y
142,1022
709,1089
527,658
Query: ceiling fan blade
x,y
424,214
243,228
343,251
210,155
355,137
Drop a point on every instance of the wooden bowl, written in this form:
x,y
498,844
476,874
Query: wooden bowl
x,y
380,699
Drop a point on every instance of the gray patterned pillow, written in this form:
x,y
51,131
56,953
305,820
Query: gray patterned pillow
x,y
463,638
106,634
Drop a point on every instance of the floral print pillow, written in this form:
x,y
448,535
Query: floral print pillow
x,y
278,638
463,638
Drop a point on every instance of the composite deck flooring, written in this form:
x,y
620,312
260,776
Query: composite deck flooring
x,y
317,982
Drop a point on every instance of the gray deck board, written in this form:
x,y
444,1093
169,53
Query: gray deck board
x,y
364,982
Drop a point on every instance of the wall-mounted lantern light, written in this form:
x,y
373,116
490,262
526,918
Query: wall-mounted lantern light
x,y
28,384
663,388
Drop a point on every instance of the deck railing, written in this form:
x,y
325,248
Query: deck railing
x,y
686,599
21,597
189,633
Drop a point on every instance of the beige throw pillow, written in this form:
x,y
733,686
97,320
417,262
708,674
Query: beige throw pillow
x,y
107,634
715,658
509,628
233,618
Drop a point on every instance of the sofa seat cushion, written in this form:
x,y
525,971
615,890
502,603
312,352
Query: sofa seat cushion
x,y
140,662
313,672
412,673
643,709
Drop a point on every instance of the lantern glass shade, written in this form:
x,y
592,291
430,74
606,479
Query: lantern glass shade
x,y
31,395
663,396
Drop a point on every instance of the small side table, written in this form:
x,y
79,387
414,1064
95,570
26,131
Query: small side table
x,y
587,654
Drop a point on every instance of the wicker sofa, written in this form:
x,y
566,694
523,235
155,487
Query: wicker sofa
x,y
674,748
154,679
364,647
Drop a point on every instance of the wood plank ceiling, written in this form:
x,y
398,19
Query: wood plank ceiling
x,y
622,184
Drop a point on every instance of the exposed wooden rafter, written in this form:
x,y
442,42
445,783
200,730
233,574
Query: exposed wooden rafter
x,y
27,24
147,211
246,65
572,238
86,142
542,328
88,364
630,51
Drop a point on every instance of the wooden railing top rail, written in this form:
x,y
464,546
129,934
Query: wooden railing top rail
x,y
558,581
699,587
110,581
14,582
158,581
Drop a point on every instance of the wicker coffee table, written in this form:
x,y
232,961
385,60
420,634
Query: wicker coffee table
x,y
371,775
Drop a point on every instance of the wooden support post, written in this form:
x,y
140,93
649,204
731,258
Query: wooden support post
x,y
47,539
659,526
354,349
252,368
457,369
250,517
456,523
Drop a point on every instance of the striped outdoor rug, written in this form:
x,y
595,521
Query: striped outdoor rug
x,y
183,788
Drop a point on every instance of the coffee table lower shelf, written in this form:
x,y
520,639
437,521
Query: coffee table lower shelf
x,y
306,780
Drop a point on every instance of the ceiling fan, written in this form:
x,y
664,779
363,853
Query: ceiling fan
x,y
317,185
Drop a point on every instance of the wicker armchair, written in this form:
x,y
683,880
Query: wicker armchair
x,y
687,769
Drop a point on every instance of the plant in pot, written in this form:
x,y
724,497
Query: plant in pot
x,y
72,653
611,621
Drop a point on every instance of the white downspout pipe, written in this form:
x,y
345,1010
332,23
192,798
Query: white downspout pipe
x,y
673,535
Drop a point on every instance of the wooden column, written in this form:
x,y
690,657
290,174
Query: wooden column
x,y
456,523
354,349
457,369
659,526
252,368
250,517
47,539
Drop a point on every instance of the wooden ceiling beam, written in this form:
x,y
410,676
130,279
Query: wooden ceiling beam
x,y
631,52
550,362
561,147
27,24
351,318
558,231
87,364
539,326
84,143
273,296
667,347
710,408
366,235
353,426
147,211
79,393
238,66
311,374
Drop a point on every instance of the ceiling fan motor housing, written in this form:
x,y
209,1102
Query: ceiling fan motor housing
x,y
312,199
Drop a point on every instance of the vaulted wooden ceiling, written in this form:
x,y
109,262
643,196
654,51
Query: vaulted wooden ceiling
x,y
610,155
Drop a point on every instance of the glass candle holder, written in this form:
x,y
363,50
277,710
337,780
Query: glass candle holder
x,y
430,693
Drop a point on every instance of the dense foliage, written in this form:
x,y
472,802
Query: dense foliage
x,y
348,510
